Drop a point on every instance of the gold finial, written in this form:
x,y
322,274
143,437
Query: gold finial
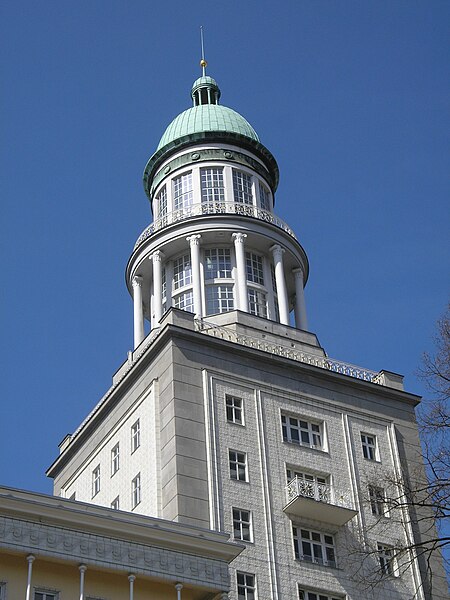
x,y
203,62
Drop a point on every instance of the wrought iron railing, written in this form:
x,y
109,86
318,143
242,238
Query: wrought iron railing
x,y
308,489
323,362
212,208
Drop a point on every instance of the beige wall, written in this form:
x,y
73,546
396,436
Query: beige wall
x,y
65,579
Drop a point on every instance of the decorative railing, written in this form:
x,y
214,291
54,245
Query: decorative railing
x,y
323,362
213,208
308,489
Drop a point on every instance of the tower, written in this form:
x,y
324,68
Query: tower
x,y
226,417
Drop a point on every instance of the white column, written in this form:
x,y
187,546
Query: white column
x,y
83,569
30,560
194,243
131,579
239,239
280,282
179,587
138,310
157,285
301,320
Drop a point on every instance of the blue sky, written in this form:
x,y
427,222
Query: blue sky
x,y
351,98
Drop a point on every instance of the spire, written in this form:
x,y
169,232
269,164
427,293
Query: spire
x,y
203,62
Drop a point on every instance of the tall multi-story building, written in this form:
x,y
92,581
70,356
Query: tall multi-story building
x,y
227,417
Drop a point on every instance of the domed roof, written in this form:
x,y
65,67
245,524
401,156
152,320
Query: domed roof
x,y
207,117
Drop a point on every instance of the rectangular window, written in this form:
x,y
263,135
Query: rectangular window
x,y
238,465
235,413
161,200
182,272
184,301
96,481
183,195
313,546
242,528
115,459
301,432
212,185
136,491
163,288
242,187
115,503
246,588
369,445
377,501
264,200
304,594
257,303
43,595
135,436
219,299
254,264
386,558
217,263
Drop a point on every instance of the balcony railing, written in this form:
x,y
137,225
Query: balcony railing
x,y
308,489
212,208
323,362
313,500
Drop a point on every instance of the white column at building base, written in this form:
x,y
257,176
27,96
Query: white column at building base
x,y
138,310
301,320
280,282
30,561
83,569
157,285
179,587
194,243
239,249
131,579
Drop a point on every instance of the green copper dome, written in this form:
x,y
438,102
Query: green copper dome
x,y
207,117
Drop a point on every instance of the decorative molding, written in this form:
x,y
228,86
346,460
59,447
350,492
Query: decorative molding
x,y
137,281
212,154
50,541
239,238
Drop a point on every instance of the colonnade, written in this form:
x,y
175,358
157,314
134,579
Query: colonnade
x,y
241,295
83,569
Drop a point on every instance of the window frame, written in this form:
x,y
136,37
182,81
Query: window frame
x,y
183,191
264,197
386,559
239,465
182,272
369,450
232,410
135,435
162,203
287,428
96,481
47,594
246,586
136,491
242,187
220,259
305,592
377,501
212,184
115,504
241,524
219,296
327,549
115,458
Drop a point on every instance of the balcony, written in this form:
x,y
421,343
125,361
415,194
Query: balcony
x,y
312,500
212,208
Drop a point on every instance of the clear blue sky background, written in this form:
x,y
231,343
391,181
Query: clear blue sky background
x,y
351,98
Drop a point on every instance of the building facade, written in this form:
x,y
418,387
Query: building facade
x,y
225,416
